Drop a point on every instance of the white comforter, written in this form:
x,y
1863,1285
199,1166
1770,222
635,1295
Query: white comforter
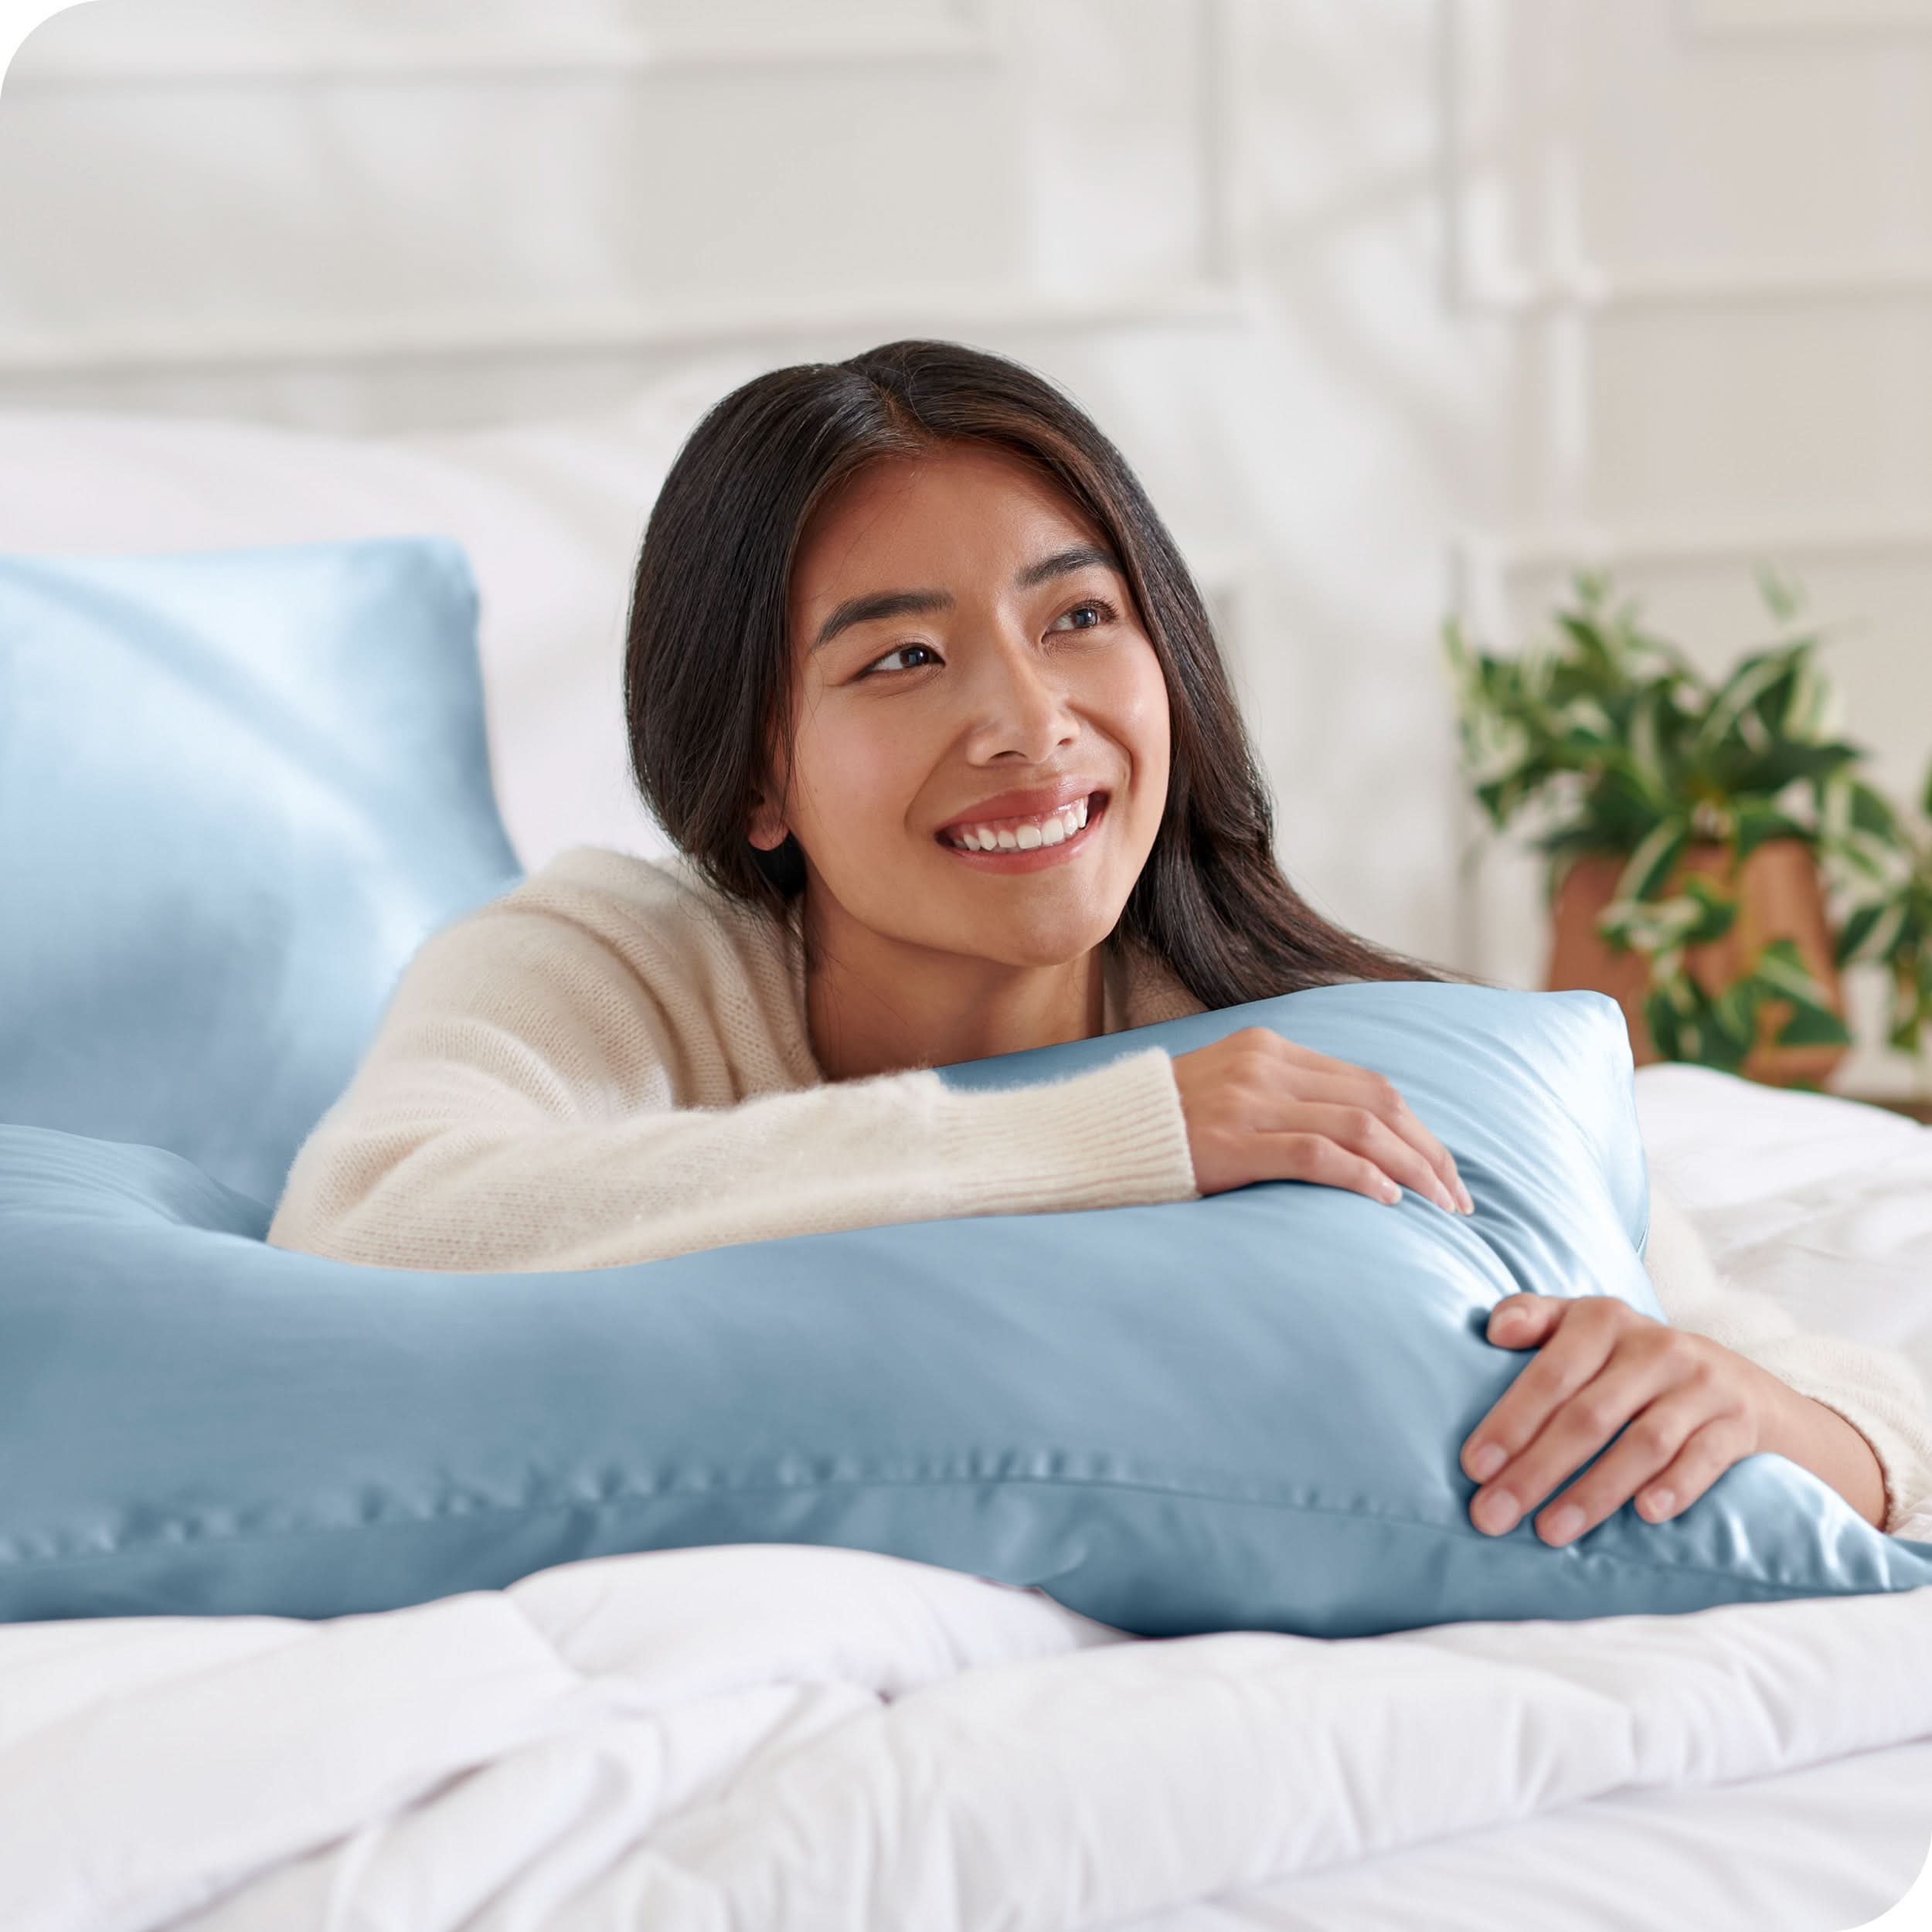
x,y
783,1737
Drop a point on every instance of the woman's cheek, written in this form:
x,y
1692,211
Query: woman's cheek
x,y
1145,727
864,784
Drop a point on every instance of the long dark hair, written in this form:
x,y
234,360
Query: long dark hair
x,y
707,674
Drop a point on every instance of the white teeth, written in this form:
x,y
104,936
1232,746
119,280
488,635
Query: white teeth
x,y
1040,832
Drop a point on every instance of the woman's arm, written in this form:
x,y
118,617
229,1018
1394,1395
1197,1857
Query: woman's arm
x,y
1822,1441
1854,1415
515,1111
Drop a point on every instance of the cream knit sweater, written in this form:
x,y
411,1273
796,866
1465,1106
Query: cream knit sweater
x,y
610,1063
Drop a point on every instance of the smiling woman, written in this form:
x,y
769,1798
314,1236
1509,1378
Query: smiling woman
x,y
920,685
971,806
943,585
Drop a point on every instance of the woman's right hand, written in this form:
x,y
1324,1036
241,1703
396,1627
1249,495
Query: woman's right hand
x,y
1260,1108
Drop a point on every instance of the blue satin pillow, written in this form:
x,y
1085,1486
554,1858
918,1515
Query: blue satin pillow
x,y
238,788
1241,1412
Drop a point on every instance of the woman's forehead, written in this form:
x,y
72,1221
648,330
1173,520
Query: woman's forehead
x,y
953,508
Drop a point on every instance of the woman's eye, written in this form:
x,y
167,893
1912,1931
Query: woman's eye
x,y
1105,614
1102,612
899,652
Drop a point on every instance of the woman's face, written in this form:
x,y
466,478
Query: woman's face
x,y
1011,663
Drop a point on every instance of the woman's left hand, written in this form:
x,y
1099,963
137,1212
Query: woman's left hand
x,y
1693,1408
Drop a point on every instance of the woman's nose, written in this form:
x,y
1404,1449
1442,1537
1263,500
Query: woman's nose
x,y
1022,709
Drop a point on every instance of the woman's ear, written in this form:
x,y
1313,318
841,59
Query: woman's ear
x,y
768,830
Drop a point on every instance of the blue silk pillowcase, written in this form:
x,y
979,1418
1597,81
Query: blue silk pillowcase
x,y
238,789
1241,1412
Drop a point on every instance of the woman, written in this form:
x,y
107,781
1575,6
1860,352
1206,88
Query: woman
x,y
921,688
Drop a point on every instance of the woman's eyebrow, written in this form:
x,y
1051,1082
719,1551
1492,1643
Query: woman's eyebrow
x,y
875,604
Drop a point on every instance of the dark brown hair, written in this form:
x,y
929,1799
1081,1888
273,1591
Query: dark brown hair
x,y
708,666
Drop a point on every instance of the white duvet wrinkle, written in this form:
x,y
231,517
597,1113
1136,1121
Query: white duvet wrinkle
x,y
1736,1690
531,1840
129,1813
693,1623
1041,1759
52,1671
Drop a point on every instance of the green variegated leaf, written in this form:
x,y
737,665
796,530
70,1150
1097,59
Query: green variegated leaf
x,y
1719,910
1585,719
1646,926
1661,1017
1810,705
1871,932
1757,824
1666,968
1738,693
1769,772
1587,634
1869,858
1814,1026
1734,1016
1647,753
1911,1005
1872,812
1650,864
1782,969
1785,598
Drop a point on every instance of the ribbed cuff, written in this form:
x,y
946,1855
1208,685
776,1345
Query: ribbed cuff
x,y
1108,1138
1908,1482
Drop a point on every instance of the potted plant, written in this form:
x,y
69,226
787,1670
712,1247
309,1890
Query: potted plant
x,y
1714,856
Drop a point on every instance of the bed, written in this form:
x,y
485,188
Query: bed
x,y
752,1736
798,1737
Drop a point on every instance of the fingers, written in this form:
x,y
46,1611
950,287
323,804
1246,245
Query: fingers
x,y
1586,1331
1525,1321
1255,1104
1707,1454
1644,1400
1362,1130
1667,1458
1341,1084
1581,1335
1315,1157
1627,1386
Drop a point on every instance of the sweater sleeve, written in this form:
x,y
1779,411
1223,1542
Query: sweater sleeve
x,y
515,1112
1876,1390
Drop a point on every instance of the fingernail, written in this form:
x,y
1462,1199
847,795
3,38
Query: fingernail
x,y
1468,1200
1565,1524
1497,1512
1444,1199
1487,1460
1659,1503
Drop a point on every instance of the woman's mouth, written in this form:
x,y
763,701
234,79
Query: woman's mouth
x,y
1027,844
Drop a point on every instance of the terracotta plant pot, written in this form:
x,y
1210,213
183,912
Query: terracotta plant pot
x,y
1779,897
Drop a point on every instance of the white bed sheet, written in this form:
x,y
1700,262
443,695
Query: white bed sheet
x,y
800,1739
1827,1848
